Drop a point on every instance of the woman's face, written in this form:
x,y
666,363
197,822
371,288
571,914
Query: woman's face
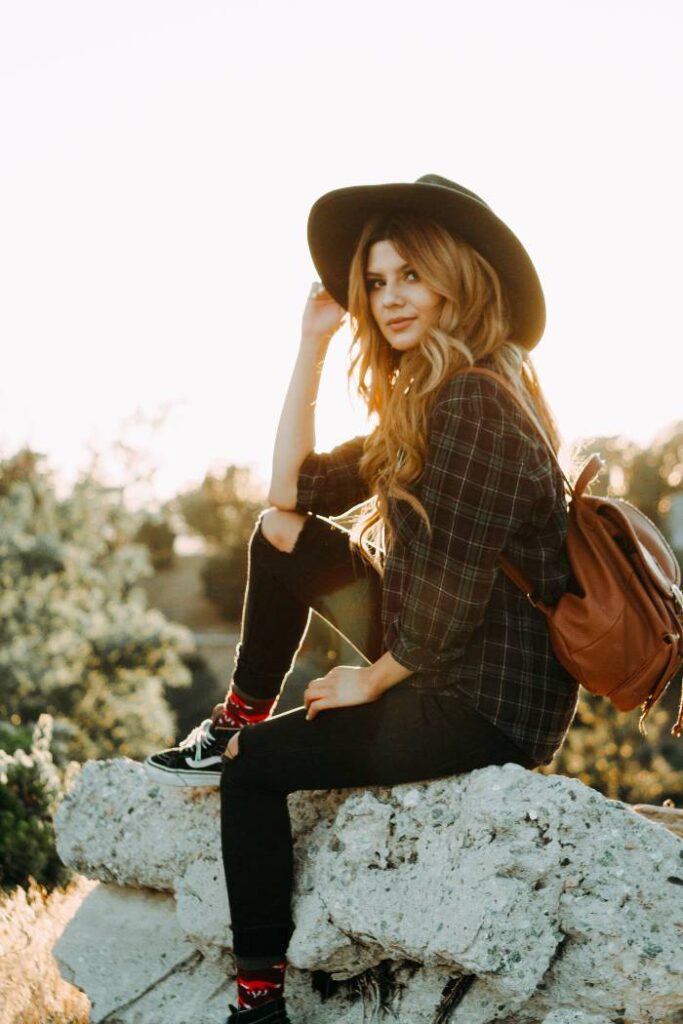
x,y
401,304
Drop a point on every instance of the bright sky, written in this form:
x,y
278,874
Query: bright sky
x,y
159,159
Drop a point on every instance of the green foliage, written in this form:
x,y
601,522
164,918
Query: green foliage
x,y
15,737
224,576
605,750
224,511
205,690
223,508
76,638
156,533
30,790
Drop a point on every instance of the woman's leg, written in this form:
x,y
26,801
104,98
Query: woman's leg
x,y
321,572
404,736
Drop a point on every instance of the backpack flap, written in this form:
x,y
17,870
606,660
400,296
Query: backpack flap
x,y
587,474
646,542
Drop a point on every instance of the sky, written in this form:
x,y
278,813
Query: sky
x,y
159,160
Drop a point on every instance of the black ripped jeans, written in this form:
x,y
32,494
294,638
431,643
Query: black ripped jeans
x,y
405,736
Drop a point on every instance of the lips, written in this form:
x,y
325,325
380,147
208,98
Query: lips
x,y
399,322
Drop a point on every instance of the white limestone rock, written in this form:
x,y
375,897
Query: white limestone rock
x,y
121,943
574,1017
116,825
505,894
130,954
202,905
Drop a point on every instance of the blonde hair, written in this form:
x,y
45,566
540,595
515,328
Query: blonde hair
x,y
473,322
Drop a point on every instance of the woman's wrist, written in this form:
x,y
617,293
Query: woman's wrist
x,y
317,344
385,673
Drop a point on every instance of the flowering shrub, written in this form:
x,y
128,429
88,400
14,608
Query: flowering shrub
x,y
76,638
31,787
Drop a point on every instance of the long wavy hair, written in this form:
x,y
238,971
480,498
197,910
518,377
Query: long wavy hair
x,y
400,388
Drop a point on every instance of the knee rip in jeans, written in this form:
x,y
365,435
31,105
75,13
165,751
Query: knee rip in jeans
x,y
297,540
232,749
273,544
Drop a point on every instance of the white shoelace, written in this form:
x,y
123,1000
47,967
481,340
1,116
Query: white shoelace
x,y
199,735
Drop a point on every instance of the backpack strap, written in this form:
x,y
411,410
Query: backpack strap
x,y
588,473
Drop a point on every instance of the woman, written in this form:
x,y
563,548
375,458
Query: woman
x,y
460,671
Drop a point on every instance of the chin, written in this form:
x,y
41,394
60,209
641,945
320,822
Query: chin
x,y
403,346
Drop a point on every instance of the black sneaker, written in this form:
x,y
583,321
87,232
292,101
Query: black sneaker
x,y
272,1012
196,761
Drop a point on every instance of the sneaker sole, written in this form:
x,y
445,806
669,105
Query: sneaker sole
x,y
182,779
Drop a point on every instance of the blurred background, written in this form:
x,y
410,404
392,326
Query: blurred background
x,y
159,159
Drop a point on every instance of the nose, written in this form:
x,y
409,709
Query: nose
x,y
391,294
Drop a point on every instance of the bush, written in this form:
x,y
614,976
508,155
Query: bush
x,y
77,640
204,691
158,537
30,790
224,510
605,750
224,576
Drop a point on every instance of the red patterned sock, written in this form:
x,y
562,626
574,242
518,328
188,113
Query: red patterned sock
x,y
240,711
256,986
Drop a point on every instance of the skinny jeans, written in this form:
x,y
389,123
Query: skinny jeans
x,y
404,736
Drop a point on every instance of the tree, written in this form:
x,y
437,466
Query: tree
x,y
224,510
645,477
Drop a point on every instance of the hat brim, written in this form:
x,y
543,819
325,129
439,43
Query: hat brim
x,y
337,219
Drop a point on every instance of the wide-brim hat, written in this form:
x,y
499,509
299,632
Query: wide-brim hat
x,y
337,219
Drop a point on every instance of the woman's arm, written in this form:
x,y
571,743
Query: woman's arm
x,y
386,672
295,436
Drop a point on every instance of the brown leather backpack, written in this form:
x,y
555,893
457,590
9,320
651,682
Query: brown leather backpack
x,y
618,628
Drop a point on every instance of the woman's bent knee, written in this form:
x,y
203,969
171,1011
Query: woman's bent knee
x,y
281,527
232,749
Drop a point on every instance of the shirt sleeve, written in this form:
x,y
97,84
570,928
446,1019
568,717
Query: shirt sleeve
x,y
477,489
329,482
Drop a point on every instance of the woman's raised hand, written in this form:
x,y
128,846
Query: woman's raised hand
x,y
323,316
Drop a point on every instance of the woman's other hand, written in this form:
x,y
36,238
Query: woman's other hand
x,y
343,686
323,316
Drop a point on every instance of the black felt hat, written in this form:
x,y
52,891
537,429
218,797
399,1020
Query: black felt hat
x,y
337,218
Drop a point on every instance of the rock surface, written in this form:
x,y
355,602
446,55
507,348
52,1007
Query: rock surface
x,y
669,817
499,895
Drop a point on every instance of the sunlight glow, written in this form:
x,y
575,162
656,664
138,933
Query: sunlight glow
x,y
160,160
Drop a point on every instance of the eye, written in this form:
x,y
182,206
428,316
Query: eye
x,y
413,274
372,282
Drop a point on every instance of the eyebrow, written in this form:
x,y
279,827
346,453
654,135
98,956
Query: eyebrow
x,y
376,273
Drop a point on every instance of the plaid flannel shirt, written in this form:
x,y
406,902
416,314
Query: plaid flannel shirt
x,y
449,612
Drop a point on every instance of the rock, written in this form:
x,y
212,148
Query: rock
x,y
670,817
115,826
100,957
501,894
574,1017
202,905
